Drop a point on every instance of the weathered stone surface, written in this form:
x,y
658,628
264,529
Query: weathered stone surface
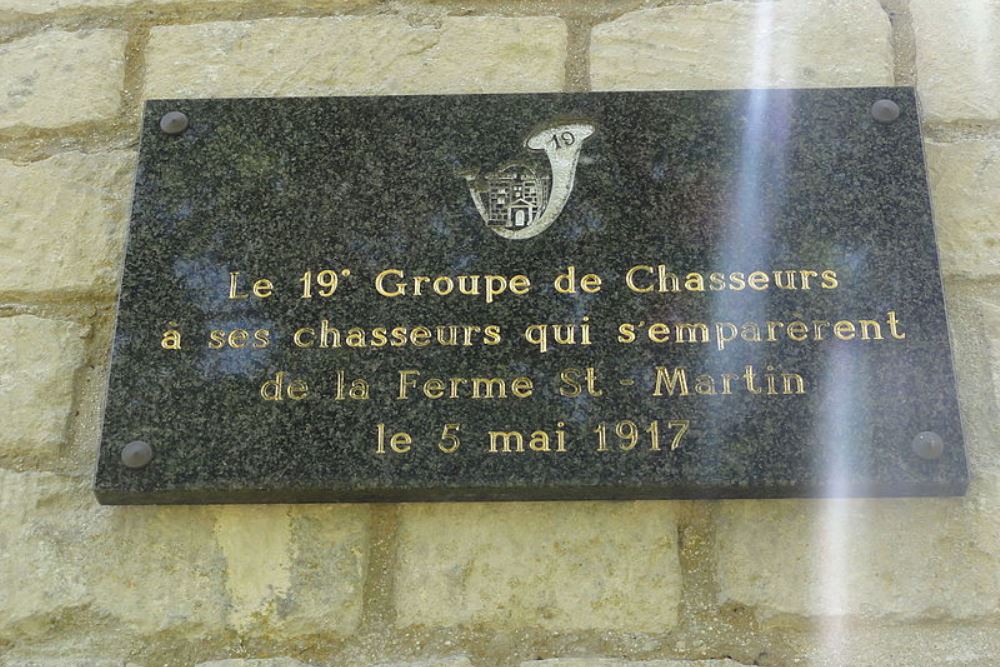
x,y
67,662
39,359
64,222
300,568
734,44
888,645
958,59
355,55
617,662
329,563
449,661
963,178
991,322
55,78
66,560
255,662
973,317
46,6
49,6
910,558
557,566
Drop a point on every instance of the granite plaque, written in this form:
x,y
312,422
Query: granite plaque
x,y
552,296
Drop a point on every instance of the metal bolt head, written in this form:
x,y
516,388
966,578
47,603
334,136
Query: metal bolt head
x,y
137,454
928,445
173,122
885,111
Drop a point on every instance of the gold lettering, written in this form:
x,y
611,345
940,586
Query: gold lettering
x,y
505,438
844,330
483,387
630,278
405,383
893,322
171,339
233,291
805,278
658,332
797,331
694,282
521,387
758,280
725,332
263,288
830,279
399,290
870,324
692,332
676,381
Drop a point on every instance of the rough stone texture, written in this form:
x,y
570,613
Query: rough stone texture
x,y
46,6
885,645
615,662
68,662
355,55
557,566
64,222
39,360
973,317
55,78
963,178
958,59
300,569
36,7
255,662
449,661
991,312
910,558
734,44
68,565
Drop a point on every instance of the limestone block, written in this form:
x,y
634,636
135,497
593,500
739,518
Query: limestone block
x,y
958,59
899,558
64,222
39,360
66,661
36,580
991,320
36,7
255,662
328,567
963,178
887,645
355,55
301,568
56,78
66,560
557,566
47,6
617,662
450,661
973,320
734,44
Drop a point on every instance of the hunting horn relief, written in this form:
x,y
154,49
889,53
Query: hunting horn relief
x,y
519,200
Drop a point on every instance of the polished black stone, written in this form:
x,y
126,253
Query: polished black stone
x,y
710,181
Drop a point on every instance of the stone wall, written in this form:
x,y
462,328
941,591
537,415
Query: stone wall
x,y
595,584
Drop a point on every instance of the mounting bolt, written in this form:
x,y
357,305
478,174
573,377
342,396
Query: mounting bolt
x,y
137,454
173,122
928,445
885,111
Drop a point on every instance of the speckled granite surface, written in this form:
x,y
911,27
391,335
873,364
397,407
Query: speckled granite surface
x,y
700,182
